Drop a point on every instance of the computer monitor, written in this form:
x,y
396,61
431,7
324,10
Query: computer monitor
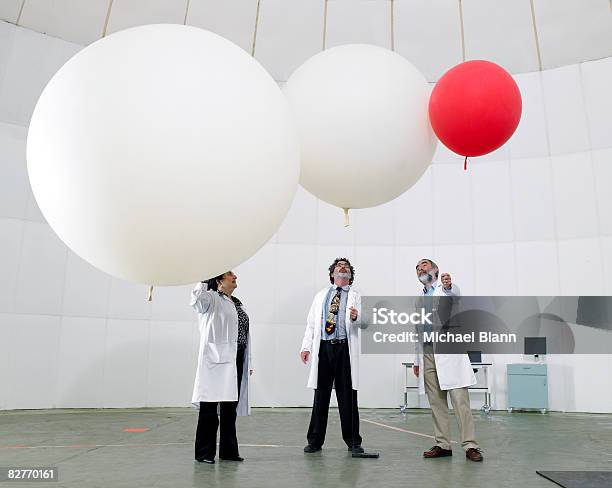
x,y
475,356
535,346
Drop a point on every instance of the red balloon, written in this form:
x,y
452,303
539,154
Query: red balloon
x,y
475,108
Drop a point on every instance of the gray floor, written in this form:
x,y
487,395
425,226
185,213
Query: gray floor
x,y
90,449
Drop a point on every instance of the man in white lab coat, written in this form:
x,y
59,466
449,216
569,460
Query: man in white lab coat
x,y
331,344
443,375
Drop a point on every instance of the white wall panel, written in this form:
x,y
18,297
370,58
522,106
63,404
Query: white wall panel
x,y
86,289
33,360
413,213
126,363
79,21
290,32
580,267
574,193
128,300
130,13
596,79
300,224
170,364
14,185
565,111
530,138
432,51
537,268
81,362
495,270
501,32
295,282
34,59
571,31
491,202
42,271
232,19
602,172
452,207
532,199
11,236
9,10
359,22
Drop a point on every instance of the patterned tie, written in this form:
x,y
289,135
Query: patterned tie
x,y
332,314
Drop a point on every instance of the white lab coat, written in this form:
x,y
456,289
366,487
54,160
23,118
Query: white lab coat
x,y
454,370
216,376
312,335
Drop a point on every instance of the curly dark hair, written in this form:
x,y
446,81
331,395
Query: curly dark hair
x,y
333,266
213,283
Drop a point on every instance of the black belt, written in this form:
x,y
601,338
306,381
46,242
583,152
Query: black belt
x,y
334,341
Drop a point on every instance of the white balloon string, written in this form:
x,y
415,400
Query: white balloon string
x,y
186,12
20,12
462,30
107,18
536,36
462,55
392,25
346,217
256,27
150,296
325,24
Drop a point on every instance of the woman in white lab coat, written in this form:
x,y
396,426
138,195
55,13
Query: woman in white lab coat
x,y
221,389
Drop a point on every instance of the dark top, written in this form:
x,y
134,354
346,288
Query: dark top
x,y
243,324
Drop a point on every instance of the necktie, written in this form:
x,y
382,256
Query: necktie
x,y
332,313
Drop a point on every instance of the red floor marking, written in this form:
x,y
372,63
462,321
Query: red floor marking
x,y
134,429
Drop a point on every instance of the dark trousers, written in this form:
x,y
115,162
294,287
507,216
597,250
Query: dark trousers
x,y
208,423
334,371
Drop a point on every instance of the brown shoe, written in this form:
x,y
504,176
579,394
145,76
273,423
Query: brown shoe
x,y
473,455
437,451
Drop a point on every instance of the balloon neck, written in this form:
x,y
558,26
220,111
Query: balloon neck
x,y
150,296
346,217
465,164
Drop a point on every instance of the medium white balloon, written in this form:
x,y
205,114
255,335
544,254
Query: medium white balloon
x,y
363,124
163,154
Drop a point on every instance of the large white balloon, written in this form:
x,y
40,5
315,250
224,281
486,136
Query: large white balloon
x,y
363,124
163,154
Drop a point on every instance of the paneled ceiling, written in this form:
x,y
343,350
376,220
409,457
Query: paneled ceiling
x,y
521,35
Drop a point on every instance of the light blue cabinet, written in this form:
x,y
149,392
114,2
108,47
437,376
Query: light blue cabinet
x,y
527,386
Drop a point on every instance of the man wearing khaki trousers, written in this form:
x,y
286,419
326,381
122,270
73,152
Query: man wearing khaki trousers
x,y
444,375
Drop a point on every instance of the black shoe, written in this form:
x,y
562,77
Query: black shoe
x,y
356,449
232,458
206,461
311,449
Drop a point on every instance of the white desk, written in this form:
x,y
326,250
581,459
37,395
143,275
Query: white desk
x,y
486,408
